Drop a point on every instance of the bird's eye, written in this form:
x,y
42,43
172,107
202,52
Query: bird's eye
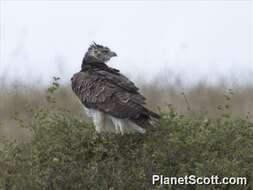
x,y
106,51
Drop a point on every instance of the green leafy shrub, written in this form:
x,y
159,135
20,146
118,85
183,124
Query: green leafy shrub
x,y
66,153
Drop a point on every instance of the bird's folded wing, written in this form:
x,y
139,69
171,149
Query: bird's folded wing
x,y
119,80
111,93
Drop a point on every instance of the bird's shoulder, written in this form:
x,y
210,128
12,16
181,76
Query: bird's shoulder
x,y
80,76
117,78
108,76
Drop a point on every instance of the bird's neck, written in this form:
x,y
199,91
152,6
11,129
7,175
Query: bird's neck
x,y
92,63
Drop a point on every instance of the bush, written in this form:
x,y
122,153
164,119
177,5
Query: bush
x,y
66,153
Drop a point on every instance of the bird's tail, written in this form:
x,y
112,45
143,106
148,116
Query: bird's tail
x,y
154,115
147,121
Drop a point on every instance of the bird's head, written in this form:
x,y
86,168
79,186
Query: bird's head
x,y
99,53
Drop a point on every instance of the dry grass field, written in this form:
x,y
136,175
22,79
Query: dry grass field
x,y
17,101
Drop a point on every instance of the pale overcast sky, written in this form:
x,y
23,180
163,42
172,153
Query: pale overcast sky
x,y
195,40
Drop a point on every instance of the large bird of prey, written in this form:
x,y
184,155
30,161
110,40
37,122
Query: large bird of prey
x,y
111,99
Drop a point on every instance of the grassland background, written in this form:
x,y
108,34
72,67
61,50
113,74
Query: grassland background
x,y
17,99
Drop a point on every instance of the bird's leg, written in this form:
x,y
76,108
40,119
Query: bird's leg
x,y
99,121
116,127
103,122
121,127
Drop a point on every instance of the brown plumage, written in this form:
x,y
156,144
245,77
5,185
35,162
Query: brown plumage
x,y
105,89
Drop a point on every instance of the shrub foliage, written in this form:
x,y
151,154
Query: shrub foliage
x,y
66,153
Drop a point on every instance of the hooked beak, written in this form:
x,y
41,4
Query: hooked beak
x,y
113,54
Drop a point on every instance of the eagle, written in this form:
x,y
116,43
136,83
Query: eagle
x,y
112,101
